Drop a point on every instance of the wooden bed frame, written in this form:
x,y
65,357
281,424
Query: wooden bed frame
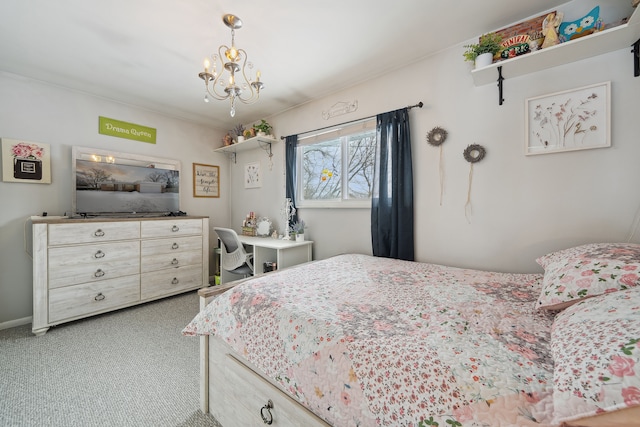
x,y
236,395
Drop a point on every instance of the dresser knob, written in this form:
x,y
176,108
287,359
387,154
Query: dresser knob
x,y
99,254
268,418
175,281
98,273
175,246
175,228
174,262
98,233
99,297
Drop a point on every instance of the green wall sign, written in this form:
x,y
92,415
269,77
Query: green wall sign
x,y
122,129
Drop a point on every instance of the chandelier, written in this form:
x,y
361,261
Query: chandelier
x,y
232,79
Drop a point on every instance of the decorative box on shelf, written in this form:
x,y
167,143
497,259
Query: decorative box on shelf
x,y
248,231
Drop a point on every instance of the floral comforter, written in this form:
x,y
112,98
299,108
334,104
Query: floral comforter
x,y
364,341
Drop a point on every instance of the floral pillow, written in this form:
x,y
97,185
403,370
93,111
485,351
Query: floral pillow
x,y
595,346
586,271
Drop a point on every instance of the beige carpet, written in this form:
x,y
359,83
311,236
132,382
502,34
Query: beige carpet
x,y
132,367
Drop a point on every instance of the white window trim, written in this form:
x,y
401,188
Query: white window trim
x,y
343,204
333,204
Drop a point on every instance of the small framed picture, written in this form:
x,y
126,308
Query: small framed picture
x,y
252,175
206,180
576,119
24,161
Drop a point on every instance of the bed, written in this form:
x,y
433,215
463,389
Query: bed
x,y
356,340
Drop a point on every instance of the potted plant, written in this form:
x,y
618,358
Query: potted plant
x,y
249,133
482,53
238,131
297,230
263,128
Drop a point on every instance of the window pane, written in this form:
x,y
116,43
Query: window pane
x,y
321,170
362,151
336,165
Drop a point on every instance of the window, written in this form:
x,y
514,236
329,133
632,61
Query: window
x,y
335,167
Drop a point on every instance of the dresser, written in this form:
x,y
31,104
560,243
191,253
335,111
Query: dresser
x,y
84,267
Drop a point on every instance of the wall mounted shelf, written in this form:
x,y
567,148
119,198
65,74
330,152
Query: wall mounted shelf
x,y
249,144
608,40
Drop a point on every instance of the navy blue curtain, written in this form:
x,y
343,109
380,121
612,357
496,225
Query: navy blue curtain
x,y
290,160
392,200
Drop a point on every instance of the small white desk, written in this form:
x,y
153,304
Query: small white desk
x,y
284,253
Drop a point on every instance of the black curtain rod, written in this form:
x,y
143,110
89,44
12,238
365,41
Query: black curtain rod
x,y
419,105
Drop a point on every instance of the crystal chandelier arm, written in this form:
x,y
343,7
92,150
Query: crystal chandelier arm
x,y
212,78
247,81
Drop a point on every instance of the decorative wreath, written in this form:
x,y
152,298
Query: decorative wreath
x,y
474,153
436,136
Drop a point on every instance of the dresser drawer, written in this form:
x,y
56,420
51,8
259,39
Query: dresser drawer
x,y
171,246
164,261
167,282
173,227
91,298
72,233
69,265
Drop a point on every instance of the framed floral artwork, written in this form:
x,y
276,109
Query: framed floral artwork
x,y
206,180
575,119
252,176
24,161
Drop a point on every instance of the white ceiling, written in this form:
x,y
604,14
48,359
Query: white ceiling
x,y
149,52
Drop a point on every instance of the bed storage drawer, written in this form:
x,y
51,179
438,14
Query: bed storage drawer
x,y
242,399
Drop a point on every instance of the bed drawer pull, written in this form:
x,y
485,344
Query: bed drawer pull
x,y
175,246
268,407
175,228
175,281
175,261
98,273
99,254
99,233
99,297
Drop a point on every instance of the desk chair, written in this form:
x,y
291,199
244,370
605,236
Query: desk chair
x,y
235,259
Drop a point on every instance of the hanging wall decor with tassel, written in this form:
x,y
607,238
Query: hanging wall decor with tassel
x,y
436,137
472,154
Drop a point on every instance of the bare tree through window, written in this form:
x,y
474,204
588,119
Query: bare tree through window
x,y
338,168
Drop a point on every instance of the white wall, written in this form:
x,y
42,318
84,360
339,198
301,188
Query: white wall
x,y
33,111
522,206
